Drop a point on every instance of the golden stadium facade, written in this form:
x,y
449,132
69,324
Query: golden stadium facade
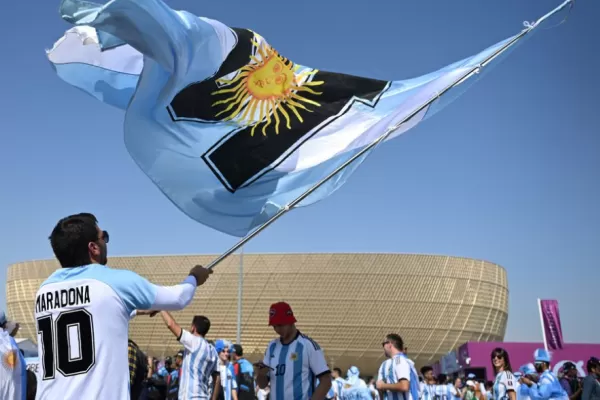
x,y
346,302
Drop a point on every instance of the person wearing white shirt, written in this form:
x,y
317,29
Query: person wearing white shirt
x,y
337,384
397,378
505,383
82,313
228,383
427,388
200,360
294,362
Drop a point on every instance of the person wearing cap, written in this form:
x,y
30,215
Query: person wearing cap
x,y
527,371
354,387
174,375
13,368
292,361
570,381
591,383
227,390
243,372
397,378
473,377
470,391
548,386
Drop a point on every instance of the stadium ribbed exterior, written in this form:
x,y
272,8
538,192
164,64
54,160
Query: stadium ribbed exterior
x,y
346,302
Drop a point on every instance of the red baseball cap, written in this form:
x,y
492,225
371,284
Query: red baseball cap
x,y
281,314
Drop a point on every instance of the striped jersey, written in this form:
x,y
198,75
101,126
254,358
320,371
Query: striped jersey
x,y
228,382
427,391
395,369
200,362
336,387
504,383
294,367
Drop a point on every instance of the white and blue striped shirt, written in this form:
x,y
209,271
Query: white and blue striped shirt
x,y
200,362
295,368
337,385
228,381
395,369
504,383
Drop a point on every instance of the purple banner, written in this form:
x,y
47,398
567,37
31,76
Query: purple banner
x,y
551,324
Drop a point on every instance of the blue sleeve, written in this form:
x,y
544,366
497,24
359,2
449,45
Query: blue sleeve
x,y
136,291
171,38
540,391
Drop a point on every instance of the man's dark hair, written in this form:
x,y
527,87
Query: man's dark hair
x,y
70,238
237,350
593,363
425,369
202,324
339,371
396,341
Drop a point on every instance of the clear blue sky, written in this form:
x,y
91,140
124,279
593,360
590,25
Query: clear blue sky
x,y
509,173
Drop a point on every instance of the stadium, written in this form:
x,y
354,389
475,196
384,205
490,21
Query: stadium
x,y
346,302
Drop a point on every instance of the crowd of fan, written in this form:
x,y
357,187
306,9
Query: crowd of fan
x,y
153,379
294,367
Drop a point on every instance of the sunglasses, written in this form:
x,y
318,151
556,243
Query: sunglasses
x,y
384,343
498,357
105,236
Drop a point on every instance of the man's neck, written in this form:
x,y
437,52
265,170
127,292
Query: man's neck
x,y
290,338
394,353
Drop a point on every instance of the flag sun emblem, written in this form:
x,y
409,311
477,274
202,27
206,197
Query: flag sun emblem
x,y
9,359
294,357
266,90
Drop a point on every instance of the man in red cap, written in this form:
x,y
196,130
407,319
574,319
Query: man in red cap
x,y
293,362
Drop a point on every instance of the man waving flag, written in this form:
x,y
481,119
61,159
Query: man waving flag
x,y
229,129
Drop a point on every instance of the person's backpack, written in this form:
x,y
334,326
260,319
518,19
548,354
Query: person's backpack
x,y
141,368
244,376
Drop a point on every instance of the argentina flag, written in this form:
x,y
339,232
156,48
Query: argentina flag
x,y
229,129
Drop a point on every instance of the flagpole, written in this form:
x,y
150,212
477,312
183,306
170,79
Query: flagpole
x,y
239,300
542,322
388,132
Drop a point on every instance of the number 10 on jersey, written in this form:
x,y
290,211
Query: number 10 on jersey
x,y
67,343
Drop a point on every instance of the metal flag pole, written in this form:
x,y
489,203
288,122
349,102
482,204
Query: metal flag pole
x,y
239,300
467,75
542,322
